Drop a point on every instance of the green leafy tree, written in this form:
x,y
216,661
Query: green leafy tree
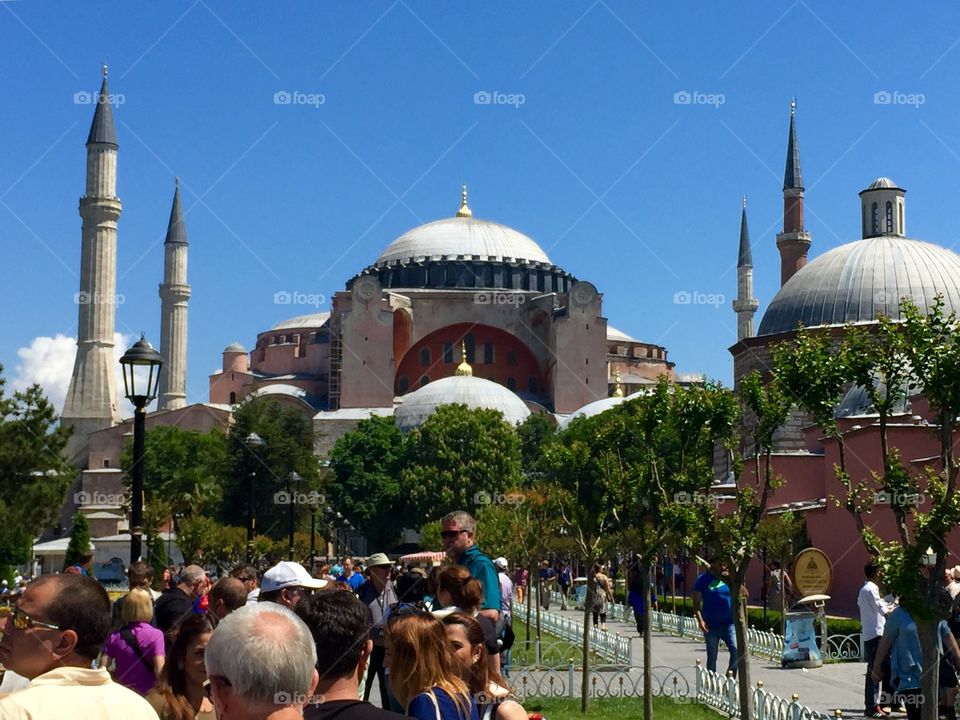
x,y
366,464
34,477
184,469
79,541
288,447
459,459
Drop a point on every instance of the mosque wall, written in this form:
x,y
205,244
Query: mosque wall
x,y
365,323
577,368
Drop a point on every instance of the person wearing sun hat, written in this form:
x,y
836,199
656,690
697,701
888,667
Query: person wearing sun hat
x,y
286,582
378,594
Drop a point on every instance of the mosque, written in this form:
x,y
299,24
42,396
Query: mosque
x,y
459,310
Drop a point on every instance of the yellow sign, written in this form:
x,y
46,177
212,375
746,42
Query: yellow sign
x,y
812,572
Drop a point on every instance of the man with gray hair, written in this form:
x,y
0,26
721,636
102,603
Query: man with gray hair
x,y
458,531
261,662
178,602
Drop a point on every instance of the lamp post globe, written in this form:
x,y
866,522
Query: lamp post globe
x,y
139,361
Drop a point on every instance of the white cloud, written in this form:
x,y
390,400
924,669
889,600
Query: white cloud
x,y
48,362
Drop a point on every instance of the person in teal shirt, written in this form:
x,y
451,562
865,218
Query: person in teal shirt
x,y
458,532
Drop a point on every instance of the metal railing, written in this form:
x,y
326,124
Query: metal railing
x,y
622,682
723,694
608,645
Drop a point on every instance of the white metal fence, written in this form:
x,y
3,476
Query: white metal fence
x,y
608,645
723,694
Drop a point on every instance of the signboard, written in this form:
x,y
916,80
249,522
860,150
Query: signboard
x,y
812,572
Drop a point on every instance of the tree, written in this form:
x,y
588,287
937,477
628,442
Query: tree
x,y
288,447
922,351
79,541
459,458
184,469
366,464
34,477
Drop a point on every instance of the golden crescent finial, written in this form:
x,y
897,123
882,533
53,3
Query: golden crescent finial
x,y
464,369
104,71
464,210
793,107
617,388
744,201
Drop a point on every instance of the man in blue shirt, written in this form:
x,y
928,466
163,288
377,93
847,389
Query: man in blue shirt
x,y
714,613
457,530
351,578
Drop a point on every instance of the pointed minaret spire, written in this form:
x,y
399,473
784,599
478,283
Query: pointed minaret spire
x,y
91,402
794,241
745,305
174,295
101,129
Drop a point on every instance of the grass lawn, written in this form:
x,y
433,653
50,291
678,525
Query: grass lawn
x,y
617,709
554,651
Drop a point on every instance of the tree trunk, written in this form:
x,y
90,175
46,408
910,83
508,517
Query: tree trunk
x,y
743,653
529,600
585,675
539,602
647,650
930,679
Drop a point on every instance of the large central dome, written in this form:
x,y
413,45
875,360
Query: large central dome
x,y
857,282
463,237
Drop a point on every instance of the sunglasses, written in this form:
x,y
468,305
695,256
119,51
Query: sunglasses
x,y
450,534
22,621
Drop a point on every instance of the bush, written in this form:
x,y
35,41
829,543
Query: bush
x,y
835,626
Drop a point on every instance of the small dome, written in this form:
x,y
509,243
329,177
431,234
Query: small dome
x,y
857,403
597,407
883,183
857,282
473,392
463,236
302,321
234,347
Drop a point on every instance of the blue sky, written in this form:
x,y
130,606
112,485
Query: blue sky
x,y
589,153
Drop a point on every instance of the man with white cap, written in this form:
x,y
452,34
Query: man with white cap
x,y
286,582
378,594
504,627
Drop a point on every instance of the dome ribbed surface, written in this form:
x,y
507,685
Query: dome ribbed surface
x,y
474,392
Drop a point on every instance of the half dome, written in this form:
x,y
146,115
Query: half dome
x,y
463,237
474,392
859,281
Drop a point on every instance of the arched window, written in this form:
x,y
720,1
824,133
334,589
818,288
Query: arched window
x,y
889,217
448,352
488,353
900,208
470,347
511,358
532,385
424,380
874,219
425,357
403,384
233,398
512,384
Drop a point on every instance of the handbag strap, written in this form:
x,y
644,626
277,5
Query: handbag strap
x,y
127,634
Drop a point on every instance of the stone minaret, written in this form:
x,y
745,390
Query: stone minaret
x,y
91,402
793,242
174,294
745,305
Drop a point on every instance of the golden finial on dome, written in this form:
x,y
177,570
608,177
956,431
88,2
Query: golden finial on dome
x,y
617,388
793,107
104,71
464,210
744,202
464,369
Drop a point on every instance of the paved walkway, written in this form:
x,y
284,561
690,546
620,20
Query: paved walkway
x,y
827,688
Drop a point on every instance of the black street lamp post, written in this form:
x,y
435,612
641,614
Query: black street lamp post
x,y
254,443
140,391
292,479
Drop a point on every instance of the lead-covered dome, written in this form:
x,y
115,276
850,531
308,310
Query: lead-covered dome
x,y
859,281
463,237
473,392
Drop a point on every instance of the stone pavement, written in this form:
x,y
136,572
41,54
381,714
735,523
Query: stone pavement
x,y
825,689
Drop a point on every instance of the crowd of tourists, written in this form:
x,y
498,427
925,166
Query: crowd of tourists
x,y
282,644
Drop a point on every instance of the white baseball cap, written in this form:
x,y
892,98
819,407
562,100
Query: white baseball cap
x,y
288,574
501,562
